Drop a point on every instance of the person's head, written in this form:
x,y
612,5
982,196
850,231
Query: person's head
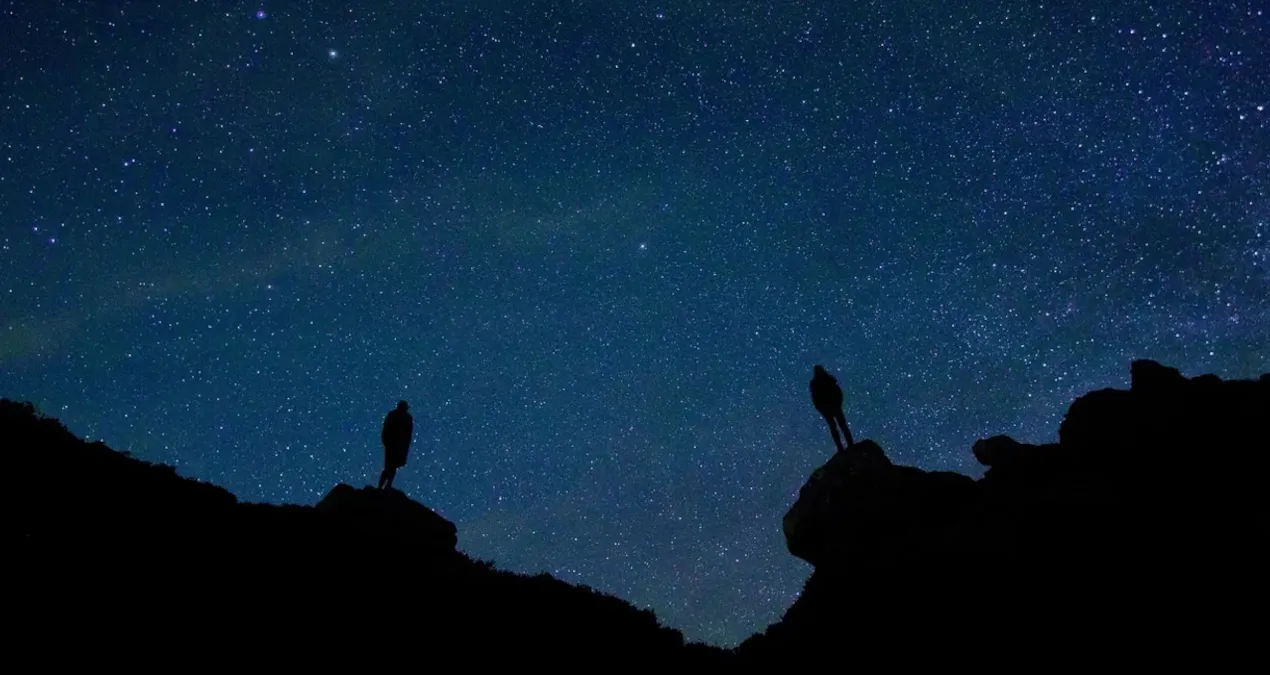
x,y
820,371
402,405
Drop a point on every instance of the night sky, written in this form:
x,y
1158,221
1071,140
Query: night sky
x,y
598,246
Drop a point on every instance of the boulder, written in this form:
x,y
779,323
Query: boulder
x,y
859,502
388,513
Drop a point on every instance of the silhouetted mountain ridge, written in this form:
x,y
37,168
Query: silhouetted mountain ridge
x,y
110,549
1138,537
1141,535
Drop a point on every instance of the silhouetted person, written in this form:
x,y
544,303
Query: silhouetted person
x,y
399,427
826,395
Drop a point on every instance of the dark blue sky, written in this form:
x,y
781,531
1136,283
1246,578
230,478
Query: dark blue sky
x,y
600,245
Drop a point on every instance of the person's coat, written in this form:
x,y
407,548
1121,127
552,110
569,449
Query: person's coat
x,y
398,430
826,395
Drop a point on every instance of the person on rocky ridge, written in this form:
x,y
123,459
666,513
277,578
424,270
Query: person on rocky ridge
x,y
826,396
398,430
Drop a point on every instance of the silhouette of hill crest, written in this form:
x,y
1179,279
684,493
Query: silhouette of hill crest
x,y
362,574
1138,536
1150,513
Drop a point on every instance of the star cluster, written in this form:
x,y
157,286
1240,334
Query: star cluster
x,y
599,246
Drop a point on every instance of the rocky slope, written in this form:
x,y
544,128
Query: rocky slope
x,y
114,560
1141,534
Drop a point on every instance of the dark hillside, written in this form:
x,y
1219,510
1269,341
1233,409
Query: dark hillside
x,y
1142,535
1139,539
111,555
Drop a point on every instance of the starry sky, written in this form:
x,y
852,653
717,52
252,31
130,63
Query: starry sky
x,y
598,246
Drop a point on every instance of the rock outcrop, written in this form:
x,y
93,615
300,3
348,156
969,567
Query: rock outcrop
x,y
861,504
1146,524
391,515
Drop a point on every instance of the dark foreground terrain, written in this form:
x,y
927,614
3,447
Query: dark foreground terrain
x,y
109,557
1140,538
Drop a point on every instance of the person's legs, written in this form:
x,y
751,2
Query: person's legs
x,y
842,421
385,477
834,430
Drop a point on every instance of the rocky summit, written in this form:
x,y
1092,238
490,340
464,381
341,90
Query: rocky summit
x,y
1145,524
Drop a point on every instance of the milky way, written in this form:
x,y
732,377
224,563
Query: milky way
x,y
599,247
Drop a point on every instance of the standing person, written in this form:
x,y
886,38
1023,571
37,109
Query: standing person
x,y
399,427
826,395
